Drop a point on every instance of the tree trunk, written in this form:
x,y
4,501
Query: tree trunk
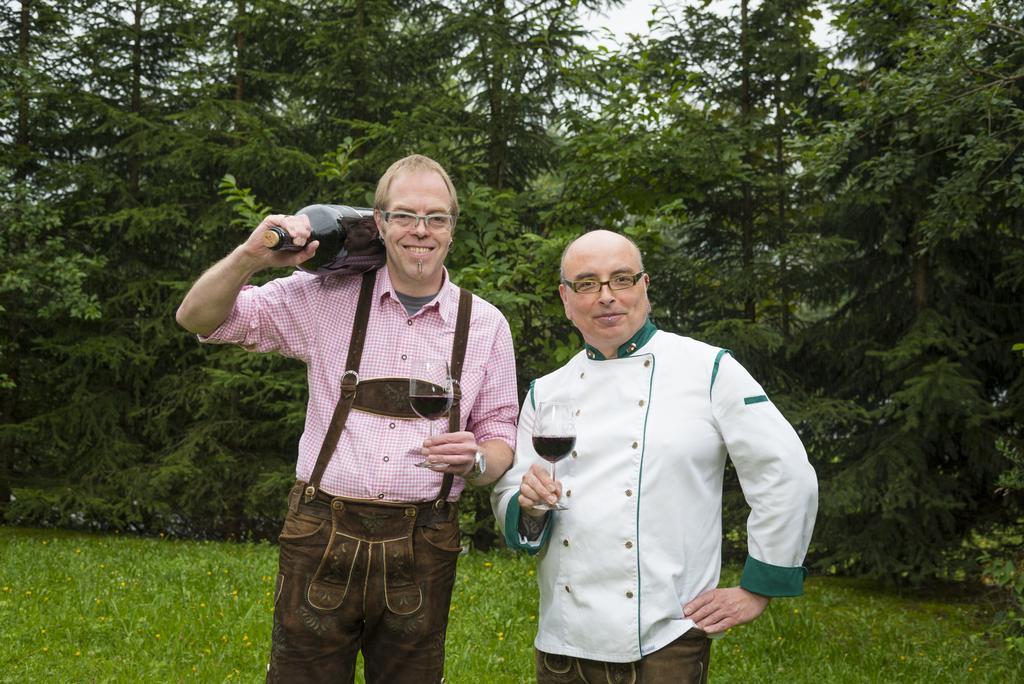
x,y
747,205
239,52
136,96
497,145
22,144
780,170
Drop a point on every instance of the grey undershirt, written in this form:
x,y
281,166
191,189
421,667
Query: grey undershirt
x,y
414,304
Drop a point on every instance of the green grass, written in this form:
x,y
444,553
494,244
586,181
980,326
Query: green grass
x,y
79,608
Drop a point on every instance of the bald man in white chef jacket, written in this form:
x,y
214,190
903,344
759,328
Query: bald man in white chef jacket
x,y
629,572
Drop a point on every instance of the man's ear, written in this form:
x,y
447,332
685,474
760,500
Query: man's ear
x,y
565,299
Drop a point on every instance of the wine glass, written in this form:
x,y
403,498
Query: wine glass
x,y
554,436
430,394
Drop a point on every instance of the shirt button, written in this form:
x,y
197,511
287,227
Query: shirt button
x,y
565,542
391,425
647,363
629,492
629,545
380,496
409,321
642,402
404,357
629,594
387,458
635,445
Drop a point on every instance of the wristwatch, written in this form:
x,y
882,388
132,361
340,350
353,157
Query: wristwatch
x,y
479,466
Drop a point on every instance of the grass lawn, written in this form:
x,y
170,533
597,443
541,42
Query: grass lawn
x,y
77,607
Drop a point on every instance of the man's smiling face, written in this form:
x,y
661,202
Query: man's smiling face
x,y
416,255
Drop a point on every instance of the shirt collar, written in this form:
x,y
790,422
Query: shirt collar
x,y
446,302
629,347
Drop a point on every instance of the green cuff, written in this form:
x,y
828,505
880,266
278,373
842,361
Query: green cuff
x,y
772,580
512,514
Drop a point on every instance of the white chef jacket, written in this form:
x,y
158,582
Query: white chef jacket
x,y
643,533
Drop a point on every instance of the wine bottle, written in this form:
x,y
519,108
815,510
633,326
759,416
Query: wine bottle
x,y
349,241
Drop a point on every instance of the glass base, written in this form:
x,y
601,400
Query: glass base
x,y
557,506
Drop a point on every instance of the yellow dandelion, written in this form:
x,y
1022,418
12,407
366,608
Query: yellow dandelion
x,y
157,635
487,564
78,653
46,649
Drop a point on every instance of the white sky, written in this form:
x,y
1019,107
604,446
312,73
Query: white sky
x,y
633,15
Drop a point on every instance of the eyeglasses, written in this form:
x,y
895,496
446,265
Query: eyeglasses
x,y
405,220
617,282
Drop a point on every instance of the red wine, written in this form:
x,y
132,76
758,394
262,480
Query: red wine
x,y
553,449
430,407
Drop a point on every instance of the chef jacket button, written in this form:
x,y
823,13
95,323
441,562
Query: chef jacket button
x,y
629,594
647,363
629,545
565,542
629,492
568,588
642,402
574,454
581,375
577,412
635,445
568,492
631,348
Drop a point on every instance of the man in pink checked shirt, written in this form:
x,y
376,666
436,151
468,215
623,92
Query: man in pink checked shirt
x,y
370,542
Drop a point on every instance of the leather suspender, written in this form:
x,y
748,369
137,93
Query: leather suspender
x,y
455,366
350,382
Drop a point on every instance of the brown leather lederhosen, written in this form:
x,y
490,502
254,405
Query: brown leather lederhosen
x,y
384,396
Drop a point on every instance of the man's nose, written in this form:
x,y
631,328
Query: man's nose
x,y
421,226
606,294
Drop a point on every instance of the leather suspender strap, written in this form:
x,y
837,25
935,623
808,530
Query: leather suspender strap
x,y
349,382
455,366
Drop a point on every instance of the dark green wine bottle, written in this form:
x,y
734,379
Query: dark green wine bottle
x,y
349,241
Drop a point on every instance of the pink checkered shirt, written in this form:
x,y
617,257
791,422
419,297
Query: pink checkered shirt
x,y
310,318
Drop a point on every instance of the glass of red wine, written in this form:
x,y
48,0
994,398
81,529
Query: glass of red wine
x,y
554,436
430,394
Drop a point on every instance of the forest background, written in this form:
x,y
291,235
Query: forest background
x,y
848,219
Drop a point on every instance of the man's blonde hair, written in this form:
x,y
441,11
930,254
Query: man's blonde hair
x,y
412,163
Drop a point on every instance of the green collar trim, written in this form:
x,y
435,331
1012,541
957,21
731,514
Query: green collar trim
x,y
638,340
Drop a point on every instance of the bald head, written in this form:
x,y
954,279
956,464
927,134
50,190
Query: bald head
x,y
598,242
